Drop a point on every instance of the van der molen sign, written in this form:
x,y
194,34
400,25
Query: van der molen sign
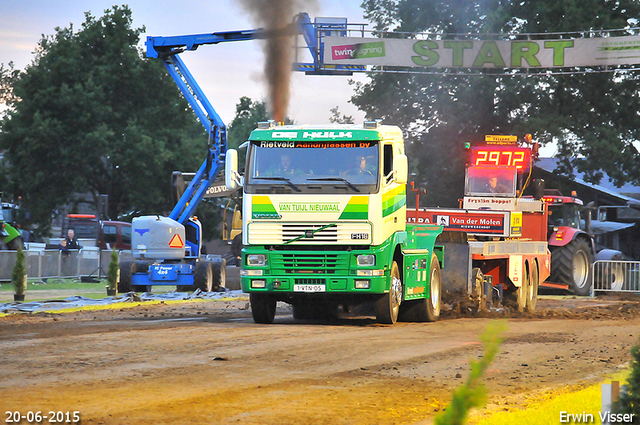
x,y
483,53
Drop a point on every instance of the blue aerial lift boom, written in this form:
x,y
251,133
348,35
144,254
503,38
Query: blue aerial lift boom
x,y
166,250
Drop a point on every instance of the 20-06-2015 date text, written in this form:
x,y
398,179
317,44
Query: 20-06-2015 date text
x,y
50,417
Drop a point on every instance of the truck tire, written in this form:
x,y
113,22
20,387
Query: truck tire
x,y
571,265
203,276
388,305
435,295
523,293
219,271
263,308
479,296
532,299
127,269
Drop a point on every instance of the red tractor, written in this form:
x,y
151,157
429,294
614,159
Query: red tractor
x,y
570,242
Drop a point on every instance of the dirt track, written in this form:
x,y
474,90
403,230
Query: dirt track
x,y
208,363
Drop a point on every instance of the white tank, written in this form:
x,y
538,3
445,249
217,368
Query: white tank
x,y
157,238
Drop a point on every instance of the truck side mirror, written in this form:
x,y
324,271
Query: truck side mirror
x,y
401,168
231,176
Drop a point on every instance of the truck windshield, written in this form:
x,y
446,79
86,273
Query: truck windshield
x,y
332,167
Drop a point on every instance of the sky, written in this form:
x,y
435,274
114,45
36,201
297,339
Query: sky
x,y
225,72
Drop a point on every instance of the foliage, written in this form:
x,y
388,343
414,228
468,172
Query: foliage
x,y
629,401
7,76
590,116
337,119
112,270
18,273
90,115
473,392
248,114
209,213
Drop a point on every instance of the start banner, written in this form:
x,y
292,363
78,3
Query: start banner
x,y
556,53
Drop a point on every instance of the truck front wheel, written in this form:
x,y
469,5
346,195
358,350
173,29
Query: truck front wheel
x,y
388,305
263,308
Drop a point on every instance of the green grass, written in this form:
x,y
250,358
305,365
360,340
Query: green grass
x,y
35,289
545,409
68,287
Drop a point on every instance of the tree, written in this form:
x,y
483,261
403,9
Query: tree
x,y
7,76
336,118
629,401
589,116
248,115
90,115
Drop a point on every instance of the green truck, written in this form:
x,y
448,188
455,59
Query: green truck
x,y
324,224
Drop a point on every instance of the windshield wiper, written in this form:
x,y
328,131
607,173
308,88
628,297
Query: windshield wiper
x,y
338,179
284,179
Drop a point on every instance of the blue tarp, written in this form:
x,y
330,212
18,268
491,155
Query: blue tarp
x,y
78,301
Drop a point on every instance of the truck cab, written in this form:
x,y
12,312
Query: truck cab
x,y
324,223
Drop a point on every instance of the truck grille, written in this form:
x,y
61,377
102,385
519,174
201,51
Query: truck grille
x,y
341,233
308,263
292,231
310,281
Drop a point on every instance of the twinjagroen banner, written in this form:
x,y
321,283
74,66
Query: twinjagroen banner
x,y
482,53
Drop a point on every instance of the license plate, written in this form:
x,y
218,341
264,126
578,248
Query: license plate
x,y
309,288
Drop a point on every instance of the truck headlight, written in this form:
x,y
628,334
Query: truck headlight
x,y
366,260
256,260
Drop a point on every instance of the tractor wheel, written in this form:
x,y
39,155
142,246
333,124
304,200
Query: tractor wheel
x,y
618,277
388,305
127,269
571,265
263,308
203,276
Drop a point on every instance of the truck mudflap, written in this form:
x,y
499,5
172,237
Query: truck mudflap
x,y
421,237
419,251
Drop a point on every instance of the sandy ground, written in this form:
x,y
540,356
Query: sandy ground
x,y
206,362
